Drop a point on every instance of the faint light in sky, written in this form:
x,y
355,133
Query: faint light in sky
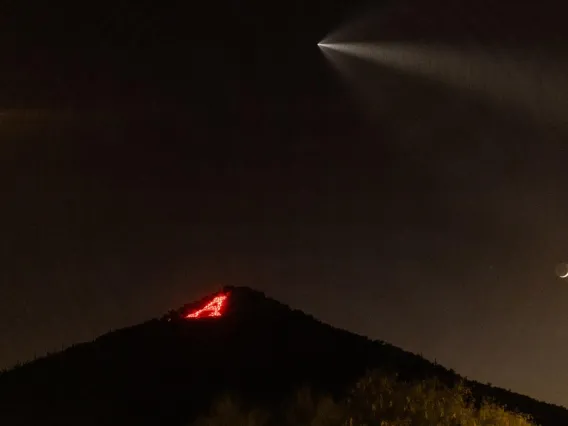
x,y
562,270
531,81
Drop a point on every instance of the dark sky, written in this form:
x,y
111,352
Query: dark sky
x,y
151,154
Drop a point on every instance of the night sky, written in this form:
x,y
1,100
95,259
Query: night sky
x,y
151,154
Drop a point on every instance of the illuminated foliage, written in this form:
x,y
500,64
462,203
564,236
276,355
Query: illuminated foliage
x,y
226,411
213,309
376,400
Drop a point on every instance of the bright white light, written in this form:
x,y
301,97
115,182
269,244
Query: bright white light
x,y
562,270
326,45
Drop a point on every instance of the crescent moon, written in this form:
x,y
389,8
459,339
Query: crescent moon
x,y
562,270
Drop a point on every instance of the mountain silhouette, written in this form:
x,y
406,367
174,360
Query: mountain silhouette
x,y
168,371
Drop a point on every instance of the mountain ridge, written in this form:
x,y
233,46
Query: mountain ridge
x,y
259,348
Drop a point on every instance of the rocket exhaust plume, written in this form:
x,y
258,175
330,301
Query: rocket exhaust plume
x,y
510,77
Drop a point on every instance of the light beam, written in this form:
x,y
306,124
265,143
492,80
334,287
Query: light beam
x,y
512,77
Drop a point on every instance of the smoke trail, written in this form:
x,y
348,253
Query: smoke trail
x,y
513,78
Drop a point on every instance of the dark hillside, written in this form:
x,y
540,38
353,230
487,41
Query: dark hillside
x,y
167,371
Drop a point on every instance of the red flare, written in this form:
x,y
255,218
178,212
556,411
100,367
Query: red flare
x,y
212,309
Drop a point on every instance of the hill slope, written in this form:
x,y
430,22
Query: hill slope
x,y
167,371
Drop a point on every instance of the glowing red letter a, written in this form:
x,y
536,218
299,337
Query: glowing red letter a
x,y
212,309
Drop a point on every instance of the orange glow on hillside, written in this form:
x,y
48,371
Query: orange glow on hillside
x,y
212,309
